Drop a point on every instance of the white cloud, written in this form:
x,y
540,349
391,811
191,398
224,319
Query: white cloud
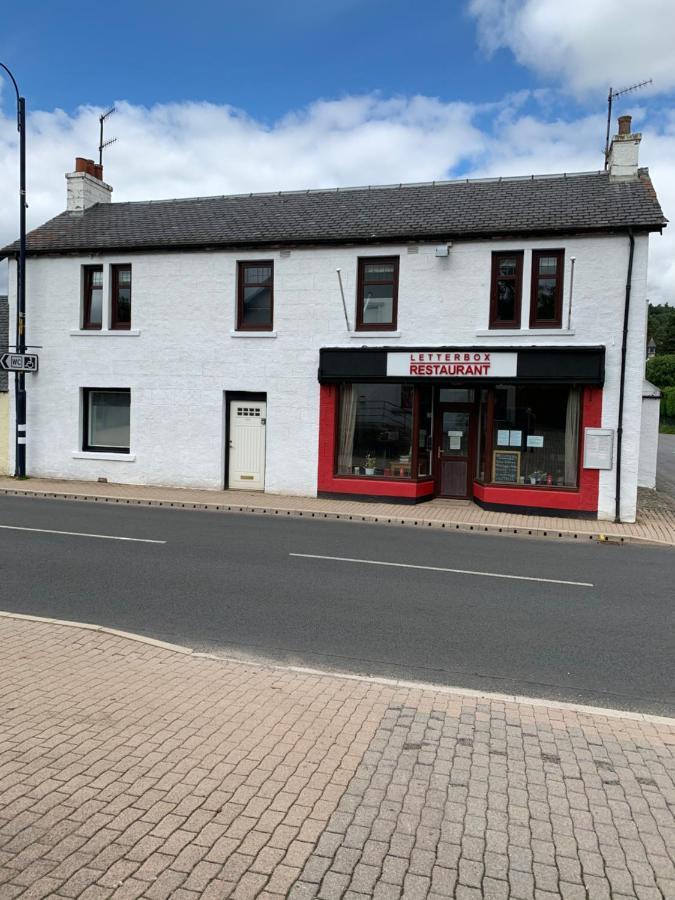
x,y
587,45
193,149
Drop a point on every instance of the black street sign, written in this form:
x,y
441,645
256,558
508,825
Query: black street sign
x,y
19,362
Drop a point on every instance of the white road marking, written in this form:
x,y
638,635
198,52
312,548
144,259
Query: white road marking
x,y
105,537
375,562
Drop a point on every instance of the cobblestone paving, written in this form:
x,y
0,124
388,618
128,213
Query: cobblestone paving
x,y
128,770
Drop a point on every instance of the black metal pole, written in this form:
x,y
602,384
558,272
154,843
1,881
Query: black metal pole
x,y
20,382
609,123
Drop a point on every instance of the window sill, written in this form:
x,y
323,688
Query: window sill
x,y
525,332
110,457
355,335
102,332
253,334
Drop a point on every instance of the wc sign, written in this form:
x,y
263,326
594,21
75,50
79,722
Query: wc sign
x,y
453,364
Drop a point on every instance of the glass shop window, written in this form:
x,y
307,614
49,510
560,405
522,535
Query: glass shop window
x,y
376,425
535,440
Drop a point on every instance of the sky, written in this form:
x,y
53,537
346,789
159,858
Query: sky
x,y
231,96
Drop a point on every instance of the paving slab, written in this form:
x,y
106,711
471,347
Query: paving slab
x,y
655,523
129,769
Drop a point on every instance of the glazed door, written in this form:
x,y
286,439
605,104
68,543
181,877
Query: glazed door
x,y
247,445
454,450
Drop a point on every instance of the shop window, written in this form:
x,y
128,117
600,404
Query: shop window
x,y
425,431
547,288
384,430
92,301
120,301
255,293
506,289
535,436
377,299
106,419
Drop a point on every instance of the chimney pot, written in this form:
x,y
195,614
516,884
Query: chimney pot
x,y
624,124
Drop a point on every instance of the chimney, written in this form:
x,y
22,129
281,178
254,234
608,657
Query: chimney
x,y
622,160
85,186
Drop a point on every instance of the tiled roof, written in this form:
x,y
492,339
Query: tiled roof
x,y
541,204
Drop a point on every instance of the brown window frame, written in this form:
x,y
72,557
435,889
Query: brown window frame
x,y
242,265
115,270
364,261
560,280
517,278
87,324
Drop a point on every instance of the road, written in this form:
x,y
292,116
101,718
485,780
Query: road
x,y
665,467
589,623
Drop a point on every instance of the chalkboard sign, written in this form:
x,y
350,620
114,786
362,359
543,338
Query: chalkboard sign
x,y
506,466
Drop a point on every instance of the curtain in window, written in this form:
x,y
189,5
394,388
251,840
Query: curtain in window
x,y
348,404
572,435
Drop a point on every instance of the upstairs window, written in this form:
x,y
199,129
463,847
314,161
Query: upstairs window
x,y
120,301
106,420
92,305
377,299
255,305
547,283
506,289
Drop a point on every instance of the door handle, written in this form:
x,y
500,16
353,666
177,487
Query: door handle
x,y
439,451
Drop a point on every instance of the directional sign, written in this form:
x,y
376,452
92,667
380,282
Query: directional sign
x,y
19,362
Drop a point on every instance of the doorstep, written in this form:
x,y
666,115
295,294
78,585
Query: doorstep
x,y
654,526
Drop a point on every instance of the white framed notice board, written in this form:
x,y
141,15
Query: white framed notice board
x,y
598,448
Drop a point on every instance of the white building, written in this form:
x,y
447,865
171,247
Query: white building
x,y
461,339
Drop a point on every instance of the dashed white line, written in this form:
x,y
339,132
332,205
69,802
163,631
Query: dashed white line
x,y
376,562
105,537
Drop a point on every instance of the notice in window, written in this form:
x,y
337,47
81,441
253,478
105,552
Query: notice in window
x,y
503,438
515,438
535,440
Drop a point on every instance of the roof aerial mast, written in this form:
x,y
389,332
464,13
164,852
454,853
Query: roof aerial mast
x,y
610,99
101,143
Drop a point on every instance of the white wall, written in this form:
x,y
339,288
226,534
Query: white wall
x,y
649,442
181,356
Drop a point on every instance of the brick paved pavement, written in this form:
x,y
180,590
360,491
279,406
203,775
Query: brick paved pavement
x,y
656,514
129,770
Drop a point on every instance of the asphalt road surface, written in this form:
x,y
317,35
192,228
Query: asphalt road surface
x,y
665,467
588,622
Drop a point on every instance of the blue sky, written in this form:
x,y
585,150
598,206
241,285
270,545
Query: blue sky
x,y
223,97
261,56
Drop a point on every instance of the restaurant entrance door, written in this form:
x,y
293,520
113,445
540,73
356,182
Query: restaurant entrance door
x,y
455,450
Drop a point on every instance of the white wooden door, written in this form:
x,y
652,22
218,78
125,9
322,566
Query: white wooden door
x,y
247,445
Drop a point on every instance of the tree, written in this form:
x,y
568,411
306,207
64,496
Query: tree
x,y
661,326
661,371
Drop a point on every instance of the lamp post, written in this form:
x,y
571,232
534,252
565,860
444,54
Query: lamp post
x,y
20,383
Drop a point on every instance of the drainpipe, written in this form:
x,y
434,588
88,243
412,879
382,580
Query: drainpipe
x,y
622,385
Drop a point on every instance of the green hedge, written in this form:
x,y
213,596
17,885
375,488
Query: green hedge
x,y
668,403
661,371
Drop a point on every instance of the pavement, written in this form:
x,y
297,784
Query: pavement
x,y
585,622
130,769
655,524
665,468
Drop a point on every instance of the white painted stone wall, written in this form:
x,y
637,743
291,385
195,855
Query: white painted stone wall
x,y
181,355
649,440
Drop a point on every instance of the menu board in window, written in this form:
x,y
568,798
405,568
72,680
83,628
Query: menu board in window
x,y
506,466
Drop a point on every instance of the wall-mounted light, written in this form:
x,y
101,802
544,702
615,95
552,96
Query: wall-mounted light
x,y
443,249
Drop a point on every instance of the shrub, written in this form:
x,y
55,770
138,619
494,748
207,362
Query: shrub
x,y
661,371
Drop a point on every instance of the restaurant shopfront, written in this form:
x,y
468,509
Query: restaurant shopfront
x,y
504,428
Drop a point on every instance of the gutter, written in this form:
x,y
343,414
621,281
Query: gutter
x,y
622,384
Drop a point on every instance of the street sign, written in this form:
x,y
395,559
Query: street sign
x,y
19,362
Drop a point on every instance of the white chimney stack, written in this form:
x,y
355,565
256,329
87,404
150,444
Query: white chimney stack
x,y
85,186
622,161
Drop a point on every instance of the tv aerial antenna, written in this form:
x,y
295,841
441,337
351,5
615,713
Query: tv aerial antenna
x,y
610,100
103,144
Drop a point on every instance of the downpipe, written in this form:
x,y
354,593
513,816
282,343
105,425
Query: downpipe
x,y
622,383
